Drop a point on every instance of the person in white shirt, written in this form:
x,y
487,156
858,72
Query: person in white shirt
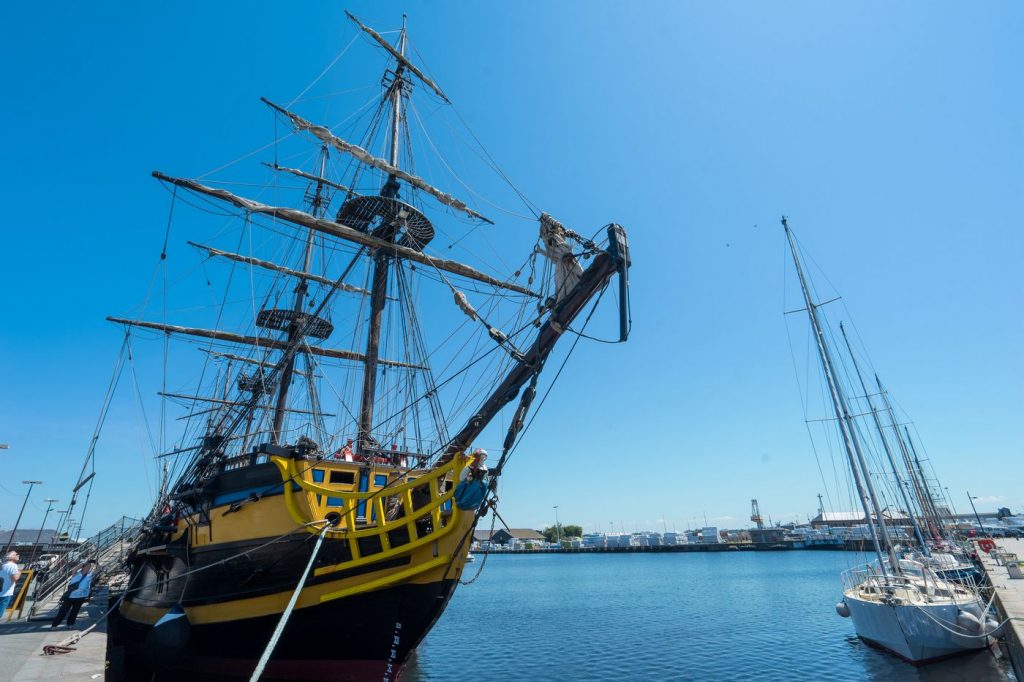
x,y
9,573
78,591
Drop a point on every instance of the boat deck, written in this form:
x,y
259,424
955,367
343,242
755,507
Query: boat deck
x,y
22,642
1009,599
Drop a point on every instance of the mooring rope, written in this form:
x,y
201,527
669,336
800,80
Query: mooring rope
x,y
989,633
64,647
288,609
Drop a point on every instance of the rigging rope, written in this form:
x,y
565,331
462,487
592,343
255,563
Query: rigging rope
x,y
557,375
323,73
487,552
65,646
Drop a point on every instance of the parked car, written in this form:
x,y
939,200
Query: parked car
x,y
44,561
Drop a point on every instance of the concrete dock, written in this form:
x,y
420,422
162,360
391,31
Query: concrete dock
x,y
1009,598
22,642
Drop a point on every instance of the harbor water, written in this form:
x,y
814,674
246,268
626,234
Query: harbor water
x,y
680,616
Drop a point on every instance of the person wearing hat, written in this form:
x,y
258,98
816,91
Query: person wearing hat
x,y
78,592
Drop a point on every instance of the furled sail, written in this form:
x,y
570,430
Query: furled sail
x,y
400,57
344,232
327,137
314,178
249,260
556,248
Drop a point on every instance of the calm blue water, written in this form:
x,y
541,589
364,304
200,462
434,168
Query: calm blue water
x,y
720,616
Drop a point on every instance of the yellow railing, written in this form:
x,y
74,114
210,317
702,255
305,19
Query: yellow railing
x,y
373,503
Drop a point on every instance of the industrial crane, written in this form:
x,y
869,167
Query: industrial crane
x,y
755,514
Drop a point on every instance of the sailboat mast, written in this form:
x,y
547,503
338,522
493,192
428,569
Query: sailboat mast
x,y
866,493
939,526
885,446
316,209
381,265
915,479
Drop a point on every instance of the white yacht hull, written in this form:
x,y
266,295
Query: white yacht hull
x,y
910,630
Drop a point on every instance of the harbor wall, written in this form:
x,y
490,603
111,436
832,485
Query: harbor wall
x,y
784,546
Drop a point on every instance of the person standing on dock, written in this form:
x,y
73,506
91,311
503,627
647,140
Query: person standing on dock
x,y
78,592
9,574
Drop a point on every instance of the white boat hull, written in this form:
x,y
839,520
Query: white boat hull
x,y
911,631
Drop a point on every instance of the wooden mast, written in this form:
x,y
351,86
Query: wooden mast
x,y
381,266
316,209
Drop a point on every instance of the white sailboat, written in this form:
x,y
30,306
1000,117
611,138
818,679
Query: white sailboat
x,y
936,549
899,605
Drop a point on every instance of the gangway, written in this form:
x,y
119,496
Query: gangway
x,y
108,548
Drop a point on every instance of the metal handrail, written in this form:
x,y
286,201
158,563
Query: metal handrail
x,y
100,547
869,575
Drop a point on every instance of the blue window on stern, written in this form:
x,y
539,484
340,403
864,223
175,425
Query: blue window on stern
x,y
380,480
335,502
318,475
364,484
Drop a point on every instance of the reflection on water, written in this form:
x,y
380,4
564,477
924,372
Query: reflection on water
x,y
714,616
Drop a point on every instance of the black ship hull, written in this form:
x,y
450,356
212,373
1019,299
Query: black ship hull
x,y
364,637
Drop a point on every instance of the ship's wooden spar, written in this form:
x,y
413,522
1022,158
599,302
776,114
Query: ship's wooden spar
x,y
399,56
242,358
344,232
217,401
327,137
260,341
237,257
314,178
601,270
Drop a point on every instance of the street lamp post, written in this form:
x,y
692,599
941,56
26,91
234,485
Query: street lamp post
x,y
558,528
952,507
30,484
981,526
61,519
49,507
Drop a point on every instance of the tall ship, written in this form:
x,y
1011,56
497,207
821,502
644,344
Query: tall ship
x,y
908,607
336,386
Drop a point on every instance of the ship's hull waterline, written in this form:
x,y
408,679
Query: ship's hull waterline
x,y
369,599
346,640
914,632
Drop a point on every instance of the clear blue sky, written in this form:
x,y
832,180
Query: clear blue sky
x,y
891,136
